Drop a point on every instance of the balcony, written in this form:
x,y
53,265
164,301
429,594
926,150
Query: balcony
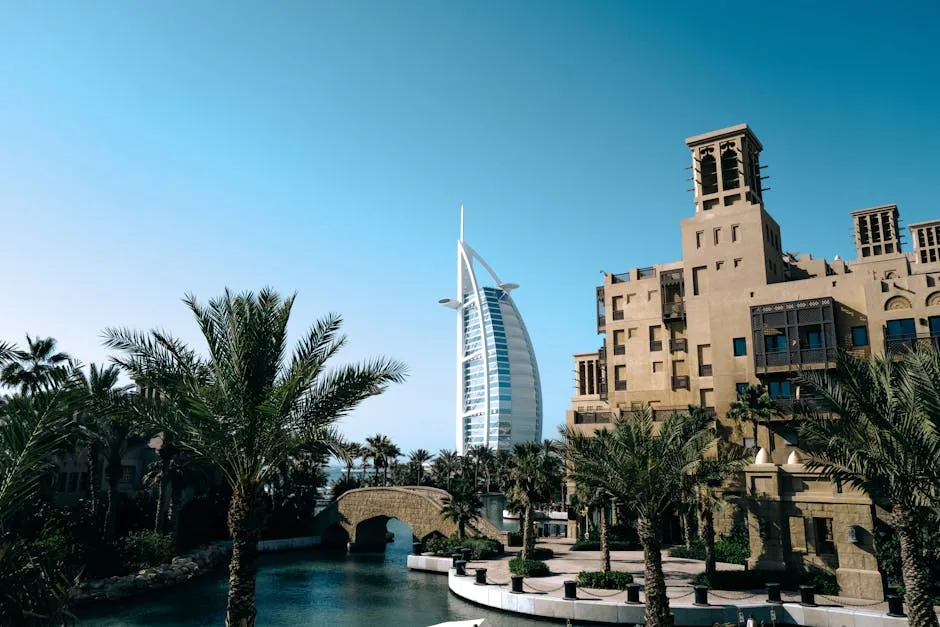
x,y
593,417
672,288
680,382
788,408
656,345
620,349
661,413
705,370
601,322
618,314
673,311
620,386
678,344
620,278
645,273
898,345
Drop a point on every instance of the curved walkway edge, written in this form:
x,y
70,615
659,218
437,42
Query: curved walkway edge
x,y
687,615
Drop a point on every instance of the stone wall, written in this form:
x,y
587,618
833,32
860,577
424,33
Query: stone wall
x,y
180,569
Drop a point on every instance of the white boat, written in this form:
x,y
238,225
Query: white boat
x,y
479,622
539,515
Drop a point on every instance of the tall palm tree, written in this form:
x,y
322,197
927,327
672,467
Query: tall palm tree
x,y
445,466
501,465
381,451
598,499
644,471
418,458
483,460
171,475
37,367
462,505
885,441
248,406
534,472
753,405
711,476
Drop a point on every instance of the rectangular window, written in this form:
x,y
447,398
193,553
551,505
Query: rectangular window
x,y
734,232
737,262
902,329
740,388
698,238
652,295
620,378
717,233
630,298
934,323
719,264
698,280
775,343
657,366
825,542
740,346
859,336
779,389
631,333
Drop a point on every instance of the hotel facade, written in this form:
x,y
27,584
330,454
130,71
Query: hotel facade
x,y
738,310
499,393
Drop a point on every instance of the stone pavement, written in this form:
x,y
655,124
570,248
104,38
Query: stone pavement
x,y
678,572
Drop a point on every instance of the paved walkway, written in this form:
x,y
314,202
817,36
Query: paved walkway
x,y
678,572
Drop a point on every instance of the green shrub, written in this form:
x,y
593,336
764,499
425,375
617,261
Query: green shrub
x,y
140,549
515,538
600,580
696,550
595,545
733,548
482,548
756,579
541,553
528,568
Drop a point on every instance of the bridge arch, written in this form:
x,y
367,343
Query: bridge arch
x,y
361,515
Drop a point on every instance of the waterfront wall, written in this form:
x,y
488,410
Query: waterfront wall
x,y
613,612
430,563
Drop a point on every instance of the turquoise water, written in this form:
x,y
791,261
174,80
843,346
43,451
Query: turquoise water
x,y
311,588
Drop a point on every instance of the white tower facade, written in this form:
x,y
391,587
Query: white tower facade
x,y
499,394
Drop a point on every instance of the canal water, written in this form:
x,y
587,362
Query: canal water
x,y
311,588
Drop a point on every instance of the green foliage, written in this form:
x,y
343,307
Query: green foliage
x,y
888,549
541,553
515,538
483,548
734,548
528,568
612,580
141,549
751,579
593,543
34,584
462,505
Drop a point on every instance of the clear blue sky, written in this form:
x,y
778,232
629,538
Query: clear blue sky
x,y
149,149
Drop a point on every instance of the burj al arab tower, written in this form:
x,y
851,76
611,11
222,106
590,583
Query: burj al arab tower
x,y
499,396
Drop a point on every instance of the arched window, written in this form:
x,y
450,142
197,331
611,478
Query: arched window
x,y
729,169
897,302
709,175
933,299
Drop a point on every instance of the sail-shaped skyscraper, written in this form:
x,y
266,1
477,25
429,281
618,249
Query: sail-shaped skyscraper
x,y
499,395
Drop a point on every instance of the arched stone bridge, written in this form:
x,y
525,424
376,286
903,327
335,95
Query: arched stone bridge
x,y
358,517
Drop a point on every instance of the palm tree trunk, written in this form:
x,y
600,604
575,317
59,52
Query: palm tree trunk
x,y
708,537
348,472
528,531
245,520
461,530
112,473
173,511
657,604
688,524
94,478
161,499
605,547
916,577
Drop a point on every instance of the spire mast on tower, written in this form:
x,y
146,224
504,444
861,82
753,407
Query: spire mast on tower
x,y
461,222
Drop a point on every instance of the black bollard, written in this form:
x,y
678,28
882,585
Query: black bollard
x,y
481,576
633,593
701,595
456,557
571,589
516,583
461,568
808,596
466,554
417,548
773,593
895,606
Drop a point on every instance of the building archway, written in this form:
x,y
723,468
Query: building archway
x,y
933,299
897,302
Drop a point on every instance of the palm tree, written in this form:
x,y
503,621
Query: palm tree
x,y
38,367
445,466
644,471
348,452
382,451
885,441
599,499
535,470
483,460
171,474
418,458
462,506
710,478
248,406
501,465
753,405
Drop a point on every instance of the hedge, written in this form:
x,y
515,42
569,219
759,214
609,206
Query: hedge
x,y
755,579
528,568
734,548
613,580
541,553
482,548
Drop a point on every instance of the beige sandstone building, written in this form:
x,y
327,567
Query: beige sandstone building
x,y
737,310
